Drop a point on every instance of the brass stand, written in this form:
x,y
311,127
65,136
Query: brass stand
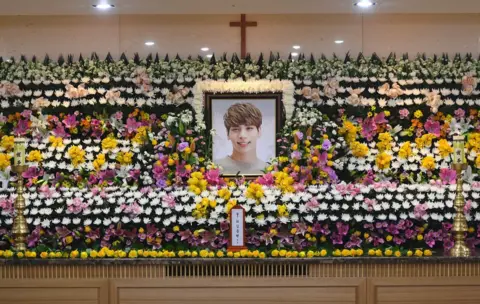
x,y
459,223
20,227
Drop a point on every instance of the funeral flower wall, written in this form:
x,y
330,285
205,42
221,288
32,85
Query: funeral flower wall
x,y
94,125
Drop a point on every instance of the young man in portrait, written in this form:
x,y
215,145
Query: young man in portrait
x,y
243,122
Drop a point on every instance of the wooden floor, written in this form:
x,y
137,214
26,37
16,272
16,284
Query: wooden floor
x,y
442,283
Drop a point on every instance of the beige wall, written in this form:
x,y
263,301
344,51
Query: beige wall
x,y
186,34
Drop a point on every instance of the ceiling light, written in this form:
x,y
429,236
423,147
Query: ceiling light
x,y
204,49
364,3
294,54
338,41
149,43
209,56
296,47
103,6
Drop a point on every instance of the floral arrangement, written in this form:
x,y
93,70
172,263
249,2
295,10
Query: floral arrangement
x,y
113,146
328,217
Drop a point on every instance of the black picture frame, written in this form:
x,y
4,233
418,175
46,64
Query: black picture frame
x,y
209,98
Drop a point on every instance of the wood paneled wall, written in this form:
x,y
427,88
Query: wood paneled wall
x,y
169,284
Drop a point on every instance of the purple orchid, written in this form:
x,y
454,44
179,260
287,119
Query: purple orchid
x,y
326,144
448,176
59,131
21,128
70,121
182,146
433,127
132,125
213,177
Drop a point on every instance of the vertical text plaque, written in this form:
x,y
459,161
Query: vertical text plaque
x,y
237,229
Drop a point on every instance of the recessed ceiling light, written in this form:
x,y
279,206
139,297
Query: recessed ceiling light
x,y
103,6
294,54
209,56
149,43
338,41
204,49
364,3
296,47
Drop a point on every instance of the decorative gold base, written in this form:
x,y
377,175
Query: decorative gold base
x,y
460,250
20,227
459,222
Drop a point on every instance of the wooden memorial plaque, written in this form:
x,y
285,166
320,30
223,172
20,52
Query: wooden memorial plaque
x,y
238,236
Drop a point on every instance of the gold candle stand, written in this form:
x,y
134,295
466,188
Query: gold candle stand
x,y
459,228
20,227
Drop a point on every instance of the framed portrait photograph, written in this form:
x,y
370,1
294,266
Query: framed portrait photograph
x,y
245,127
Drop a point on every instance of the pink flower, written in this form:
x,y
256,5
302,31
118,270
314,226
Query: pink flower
x,y
76,205
266,179
312,204
132,209
448,176
370,203
132,125
420,210
169,201
459,113
404,113
45,190
299,187
70,121
6,204
296,155
433,127
468,207
369,128
21,128
26,114
118,115
213,177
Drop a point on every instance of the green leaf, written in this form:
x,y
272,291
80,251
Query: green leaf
x,y
181,128
41,248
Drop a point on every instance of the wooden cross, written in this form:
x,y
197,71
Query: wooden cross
x,y
243,31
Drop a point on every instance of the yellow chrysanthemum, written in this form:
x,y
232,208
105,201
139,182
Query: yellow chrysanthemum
x,y
224,193
428,163
358,149
7,142
284,181
254,191
282,210
477,161
385,143
109,143
35,156
77,155
141,135
444,148
383,160
473,142
405,150
349,131
425,141
57,142
98,163
197,183
124,158
231,203
4,161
